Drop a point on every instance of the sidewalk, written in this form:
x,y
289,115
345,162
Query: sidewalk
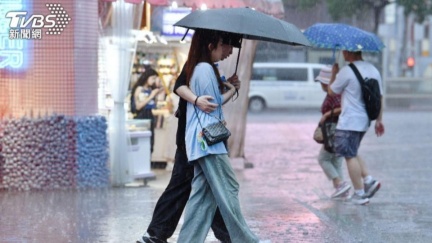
x,y
285,197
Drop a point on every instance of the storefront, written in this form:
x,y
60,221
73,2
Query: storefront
x,y
163,49
155,44
50,133
167,59
64,90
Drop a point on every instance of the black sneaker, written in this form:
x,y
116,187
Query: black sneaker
x,y
371,188
150,239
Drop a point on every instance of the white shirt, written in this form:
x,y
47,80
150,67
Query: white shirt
x,y
353,116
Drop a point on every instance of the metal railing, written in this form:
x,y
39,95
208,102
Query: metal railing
x,y
408,92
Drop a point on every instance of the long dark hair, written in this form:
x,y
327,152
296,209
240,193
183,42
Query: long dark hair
x,y
143,79
199,52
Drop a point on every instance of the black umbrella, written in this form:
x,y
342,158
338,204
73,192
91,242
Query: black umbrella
x,y
250,24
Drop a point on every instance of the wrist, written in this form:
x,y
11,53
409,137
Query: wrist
x,y
233,90
196,100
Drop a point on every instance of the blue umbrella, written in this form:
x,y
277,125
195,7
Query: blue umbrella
x,y
342,37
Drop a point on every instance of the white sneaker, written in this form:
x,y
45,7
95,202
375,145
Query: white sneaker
x,y
341,189
342,197
359,200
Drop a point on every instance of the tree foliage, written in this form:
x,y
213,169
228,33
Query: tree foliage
x,y
420,8
339,9
301,4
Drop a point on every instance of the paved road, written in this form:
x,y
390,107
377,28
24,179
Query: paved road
x,y
401,159
285,197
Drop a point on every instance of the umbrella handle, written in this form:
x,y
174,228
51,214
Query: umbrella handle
x,y
184,36
238,55
334,57
334,54
235,72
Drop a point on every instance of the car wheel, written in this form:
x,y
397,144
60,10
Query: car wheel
x,y
256,104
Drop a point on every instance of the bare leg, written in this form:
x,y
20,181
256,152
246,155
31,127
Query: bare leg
x,y
364,171
355,173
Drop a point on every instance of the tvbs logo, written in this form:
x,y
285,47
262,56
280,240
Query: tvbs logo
x,y
18,20
55,22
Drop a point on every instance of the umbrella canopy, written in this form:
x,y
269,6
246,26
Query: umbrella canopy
x,y
247,22
343,37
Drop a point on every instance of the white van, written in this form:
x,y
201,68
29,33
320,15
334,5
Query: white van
x,y
285,85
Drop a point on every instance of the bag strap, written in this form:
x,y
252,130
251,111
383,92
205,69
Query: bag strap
x,y
219,104
357,73
196,112
360,79
219,107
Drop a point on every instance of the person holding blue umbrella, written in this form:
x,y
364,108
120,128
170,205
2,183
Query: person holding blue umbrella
x,y
353,121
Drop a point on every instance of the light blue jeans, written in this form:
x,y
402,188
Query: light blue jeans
x,y
214,185
331,164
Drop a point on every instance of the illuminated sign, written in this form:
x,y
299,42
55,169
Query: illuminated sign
x,y
12,51
55,22
172,16
17,25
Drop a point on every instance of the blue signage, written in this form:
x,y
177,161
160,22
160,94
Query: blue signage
x,y
14,47
11,50
171,16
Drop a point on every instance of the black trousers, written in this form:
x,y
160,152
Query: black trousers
x,y
170,205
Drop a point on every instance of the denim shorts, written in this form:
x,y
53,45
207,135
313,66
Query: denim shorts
x,y
347,143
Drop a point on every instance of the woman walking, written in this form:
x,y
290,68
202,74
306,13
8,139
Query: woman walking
x,y
330,163
214,184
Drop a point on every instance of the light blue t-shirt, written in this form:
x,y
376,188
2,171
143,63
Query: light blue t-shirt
x,y
203,82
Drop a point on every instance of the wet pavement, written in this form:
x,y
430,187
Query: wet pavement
x,y
285,197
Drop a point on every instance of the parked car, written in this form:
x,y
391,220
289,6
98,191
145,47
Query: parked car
x,y
285,85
